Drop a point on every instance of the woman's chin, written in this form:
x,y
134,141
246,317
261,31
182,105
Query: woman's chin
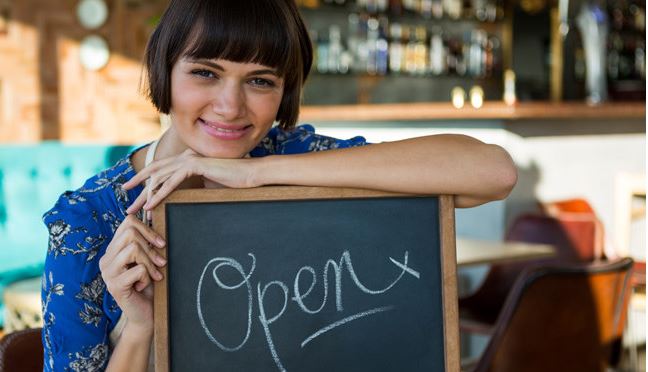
x,y
223,153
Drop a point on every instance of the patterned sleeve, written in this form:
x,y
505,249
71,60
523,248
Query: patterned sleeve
x,y
75,330
300,140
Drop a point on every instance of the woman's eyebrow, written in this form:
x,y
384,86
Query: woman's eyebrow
x,y
216,66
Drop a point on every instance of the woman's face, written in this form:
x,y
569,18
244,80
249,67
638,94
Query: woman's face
x,y
223,109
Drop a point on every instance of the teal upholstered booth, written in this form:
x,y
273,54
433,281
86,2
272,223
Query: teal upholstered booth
x,y
31,179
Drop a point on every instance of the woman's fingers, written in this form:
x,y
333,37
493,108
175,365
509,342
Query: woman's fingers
x,y
156,181
148,250
139,202
133,254
145,173
131,230
169,185
136,275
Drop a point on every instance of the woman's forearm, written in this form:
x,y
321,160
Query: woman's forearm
x,y
443,164
131,352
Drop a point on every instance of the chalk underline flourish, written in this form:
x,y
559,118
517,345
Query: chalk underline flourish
x,y
345,320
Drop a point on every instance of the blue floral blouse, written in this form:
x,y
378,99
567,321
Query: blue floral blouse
x,y
78,311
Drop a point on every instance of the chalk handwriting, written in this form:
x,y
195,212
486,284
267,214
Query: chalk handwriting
x,y
298,297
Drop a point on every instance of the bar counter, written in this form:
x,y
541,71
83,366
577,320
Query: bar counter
x,y
490,110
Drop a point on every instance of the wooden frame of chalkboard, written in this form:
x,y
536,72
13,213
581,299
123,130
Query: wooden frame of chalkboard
x,y
447,255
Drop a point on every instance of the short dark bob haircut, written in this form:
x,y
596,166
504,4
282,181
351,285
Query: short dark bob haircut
x,y
267,32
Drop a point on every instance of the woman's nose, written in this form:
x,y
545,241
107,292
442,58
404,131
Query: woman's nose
x,y
229,102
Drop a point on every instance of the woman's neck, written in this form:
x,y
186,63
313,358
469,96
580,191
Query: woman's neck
x,y
169,144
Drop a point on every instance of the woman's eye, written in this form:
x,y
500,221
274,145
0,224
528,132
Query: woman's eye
x,y
263,83
203,73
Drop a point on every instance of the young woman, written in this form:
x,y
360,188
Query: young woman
x,y
225,71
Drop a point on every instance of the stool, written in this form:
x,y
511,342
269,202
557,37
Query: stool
x,y
23,305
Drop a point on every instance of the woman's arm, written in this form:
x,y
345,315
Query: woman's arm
x,y
132,351
441,164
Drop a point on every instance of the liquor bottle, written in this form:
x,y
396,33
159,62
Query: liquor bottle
x,y
640,60
322,54
451,56
335,49
476,55
396,50
372,41
421,51
410,5
437,9
410,51
459,53
361,54
453,8
353,39
426,8
382,6
492,59
492,10
382,47
479,10
438,62
372,6
615,49
510,97
639,18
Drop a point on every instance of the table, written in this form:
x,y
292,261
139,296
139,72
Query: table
x,y
478,252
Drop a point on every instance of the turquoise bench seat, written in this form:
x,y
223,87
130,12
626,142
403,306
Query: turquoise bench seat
x,y
31,179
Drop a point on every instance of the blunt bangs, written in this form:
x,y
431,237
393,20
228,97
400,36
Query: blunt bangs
x,y
266,32
242,31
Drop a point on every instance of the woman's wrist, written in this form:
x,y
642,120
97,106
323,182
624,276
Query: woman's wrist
x,y
133,333
268,171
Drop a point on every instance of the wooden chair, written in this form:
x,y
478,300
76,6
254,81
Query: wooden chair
x,y
22,351
577,209
574,240
557,319
576,205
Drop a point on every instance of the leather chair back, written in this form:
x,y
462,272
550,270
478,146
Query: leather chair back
x,y
557,319
22,351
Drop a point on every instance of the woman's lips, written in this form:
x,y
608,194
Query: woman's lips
x,y
224,131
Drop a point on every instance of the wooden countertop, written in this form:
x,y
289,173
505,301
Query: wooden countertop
x,y
490,110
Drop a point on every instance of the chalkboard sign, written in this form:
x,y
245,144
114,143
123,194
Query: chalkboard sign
x,y
306,279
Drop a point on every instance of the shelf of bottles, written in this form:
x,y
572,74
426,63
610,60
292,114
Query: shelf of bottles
x,y
625,52
626,49
403,50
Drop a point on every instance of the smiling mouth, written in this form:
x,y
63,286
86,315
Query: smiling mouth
x,y
221,128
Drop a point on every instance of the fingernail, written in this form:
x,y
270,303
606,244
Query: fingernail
x,y
161,260
160,242
158,275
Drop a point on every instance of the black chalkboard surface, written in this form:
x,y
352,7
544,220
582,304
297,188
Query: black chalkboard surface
x,y
306,279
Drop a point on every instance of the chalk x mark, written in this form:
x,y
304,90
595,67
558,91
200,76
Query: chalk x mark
x,y
409,270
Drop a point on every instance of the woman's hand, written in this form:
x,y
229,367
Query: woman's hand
x,y
167,174
127,268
